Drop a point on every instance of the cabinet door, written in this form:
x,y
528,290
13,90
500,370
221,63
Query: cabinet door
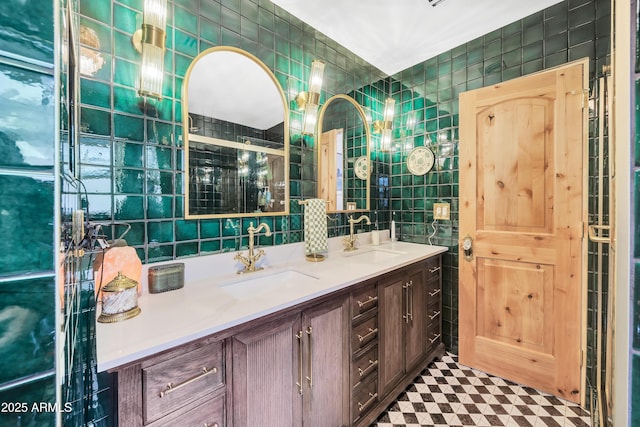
x,y
326,365
392,296
416,333
265,373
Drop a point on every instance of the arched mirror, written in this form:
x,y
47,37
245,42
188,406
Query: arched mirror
x,y
236,137
343,155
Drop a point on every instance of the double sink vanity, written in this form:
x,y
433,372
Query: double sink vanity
x,y
297,343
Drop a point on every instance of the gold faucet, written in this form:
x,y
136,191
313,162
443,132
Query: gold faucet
x,y
349,241
250,260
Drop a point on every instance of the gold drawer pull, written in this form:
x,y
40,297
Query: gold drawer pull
x,y
436,314
368,301
434,339
434,269
171,388
434,293
372,398
211,425
367,335
365,371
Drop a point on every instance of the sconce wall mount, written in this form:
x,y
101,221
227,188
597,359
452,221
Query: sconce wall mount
x,y
150,42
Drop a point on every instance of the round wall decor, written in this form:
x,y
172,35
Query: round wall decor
x,y
420,160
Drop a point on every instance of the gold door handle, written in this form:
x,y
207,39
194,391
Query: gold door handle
x,y
309,359
435,314
211,425
368,301
368,334
171,388
434,293
299,383
434,339
434,269
365,371
410,307
372,398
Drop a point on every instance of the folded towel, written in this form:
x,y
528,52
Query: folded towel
x,y
315,226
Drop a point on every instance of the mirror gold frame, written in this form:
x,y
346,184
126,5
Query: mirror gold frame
x,y
246,147
325,180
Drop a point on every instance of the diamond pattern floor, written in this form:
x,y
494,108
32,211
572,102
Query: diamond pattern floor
x,y
449,394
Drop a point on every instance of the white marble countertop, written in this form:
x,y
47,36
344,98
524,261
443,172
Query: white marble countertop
x,y
213,300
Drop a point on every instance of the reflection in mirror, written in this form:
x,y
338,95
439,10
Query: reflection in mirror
x,y
343,155
236,131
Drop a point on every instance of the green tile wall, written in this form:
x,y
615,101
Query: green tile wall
x,y
131,149
27,187
427,95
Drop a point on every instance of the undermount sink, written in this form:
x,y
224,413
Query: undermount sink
x,y
261,283
373,254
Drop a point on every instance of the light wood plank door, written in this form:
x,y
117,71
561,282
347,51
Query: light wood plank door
x,y
522,204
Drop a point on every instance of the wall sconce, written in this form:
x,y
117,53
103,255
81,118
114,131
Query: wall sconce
x,y
150,42
310,99
385,125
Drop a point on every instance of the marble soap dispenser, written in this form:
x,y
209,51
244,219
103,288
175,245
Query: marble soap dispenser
x,y
375,234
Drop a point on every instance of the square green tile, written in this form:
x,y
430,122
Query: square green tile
x,y
128,181
186,43
160,232
128,127
159,158
186,230
209,228
210,246
159,207
125,19
126,73
186,249
126,100
128,207
127,154
157,253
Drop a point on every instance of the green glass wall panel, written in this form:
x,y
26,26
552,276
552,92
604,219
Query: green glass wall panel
x,y
30,394
28,312
27,29
26,97
27,224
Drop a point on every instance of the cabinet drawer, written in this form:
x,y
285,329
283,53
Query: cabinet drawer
x,y
364,300
365,366
365,397
434,292
175,382
434,335
364,333
433,268
210,414
434,315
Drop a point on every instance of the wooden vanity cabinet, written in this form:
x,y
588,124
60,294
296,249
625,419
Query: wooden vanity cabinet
x,y
293,371
335,361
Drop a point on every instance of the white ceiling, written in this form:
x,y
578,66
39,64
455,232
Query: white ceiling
x,y
394,35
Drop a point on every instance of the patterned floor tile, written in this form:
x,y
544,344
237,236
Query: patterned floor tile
x,y
451,395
